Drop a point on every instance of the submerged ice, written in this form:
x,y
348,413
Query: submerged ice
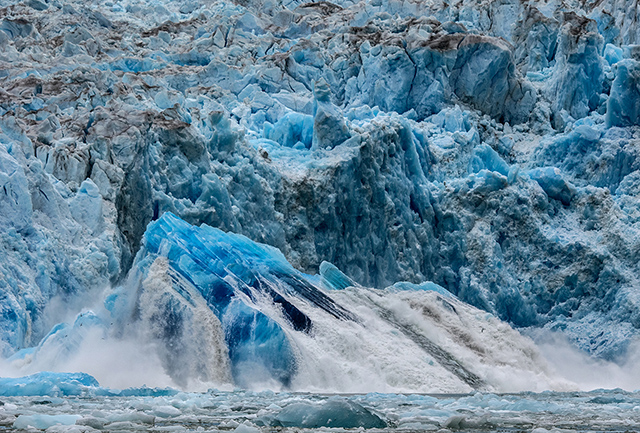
x,y
222,181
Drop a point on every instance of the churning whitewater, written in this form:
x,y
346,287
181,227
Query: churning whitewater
x,y
215,309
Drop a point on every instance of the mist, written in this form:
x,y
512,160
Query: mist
x,y
115,363
587,372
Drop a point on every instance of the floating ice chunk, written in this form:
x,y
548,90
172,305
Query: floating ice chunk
x,y
43,422
139,417
246,428
47,383
335,413
166,411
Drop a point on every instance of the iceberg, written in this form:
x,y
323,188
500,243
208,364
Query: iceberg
x,y
333,413
48,383
43,422
226,270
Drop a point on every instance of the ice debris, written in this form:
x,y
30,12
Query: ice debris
x,y
43,422
250,412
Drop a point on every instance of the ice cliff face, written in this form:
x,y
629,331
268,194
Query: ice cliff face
x,y
487,146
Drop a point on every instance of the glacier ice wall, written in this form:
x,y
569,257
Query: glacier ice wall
x,y
487,146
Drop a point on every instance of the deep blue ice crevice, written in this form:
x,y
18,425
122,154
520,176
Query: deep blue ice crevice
x,y
291,130
535,40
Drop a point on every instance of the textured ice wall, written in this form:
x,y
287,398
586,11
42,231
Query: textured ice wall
x,y
487,146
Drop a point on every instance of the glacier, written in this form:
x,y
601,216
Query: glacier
x,y
226,180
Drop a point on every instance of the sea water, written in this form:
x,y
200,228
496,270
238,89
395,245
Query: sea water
x,y
156,410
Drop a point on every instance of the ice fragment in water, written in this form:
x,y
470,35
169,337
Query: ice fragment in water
x,y
335,413
48,383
